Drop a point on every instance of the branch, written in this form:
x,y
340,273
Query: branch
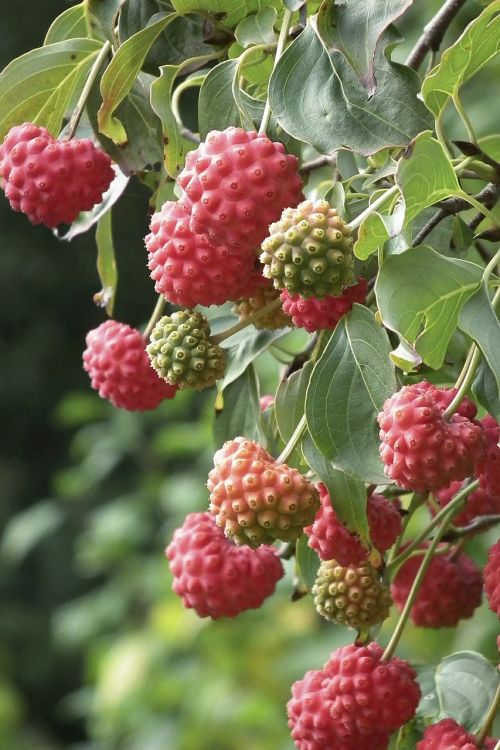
x,y
321,161
480,524
434,31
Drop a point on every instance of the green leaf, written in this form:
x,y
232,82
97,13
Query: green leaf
x,y
106,263
38,86
348,386
120,75
257,28
217,108
479,320
71,24
161,102
377,228
408,737
347,494
356,30
228,14
485,389
28,528
240,413
243,348
428,707
478,44
317,98
290,400
102,16
466,683
308,562
420,294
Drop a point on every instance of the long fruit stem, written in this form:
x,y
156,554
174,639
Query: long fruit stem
x,y
297,434
490,718
155,317
247,321
285,28
82,101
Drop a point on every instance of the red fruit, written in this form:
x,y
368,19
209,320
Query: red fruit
x,y
491,575
235,184
314,314
451,589
444,396
488,468
420,449
478,503
367,693
189,271
119,368
256,500
52,181
332,541
449,735
213,576
266,401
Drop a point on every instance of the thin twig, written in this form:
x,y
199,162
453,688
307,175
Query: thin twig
x,y
321,161
480,524
434,31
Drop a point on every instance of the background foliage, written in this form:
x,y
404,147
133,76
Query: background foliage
x,y
96,653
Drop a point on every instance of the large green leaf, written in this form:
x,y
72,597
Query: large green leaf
x,y
348,386
106,263
243,348
485,389
217,108
71,24
102,16
240,413
420,294
316,97
356,29
478,44
120,75
227,14
480,321
466,683
257,28
38,86
161,102
308,562
290,399
347,494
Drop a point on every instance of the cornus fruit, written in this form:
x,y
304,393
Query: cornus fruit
x,y
315,314
259,299
450,592
235,184
420,449
256,500
492,578
182,353
51,181
189,271
213,576
309,251
449,735
488,468
331,540
351,595
119,368
478,503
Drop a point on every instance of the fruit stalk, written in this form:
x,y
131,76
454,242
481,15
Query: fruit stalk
x,y
247,321
155,316
285,28
490,718
82,101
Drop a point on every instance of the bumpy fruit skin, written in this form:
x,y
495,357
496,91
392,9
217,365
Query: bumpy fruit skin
x,y
449,735
189,271
260,298
351,595
255,500
367,693
332,541
213,576
119,368
420,449
315,314
488,468
235,184
492,578
478,503
182,353
450,592
309,251
312,727
443,397
52,181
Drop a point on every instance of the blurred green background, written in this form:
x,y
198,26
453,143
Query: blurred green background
x,y
96,653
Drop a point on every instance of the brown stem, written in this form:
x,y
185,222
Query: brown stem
x,y
434,31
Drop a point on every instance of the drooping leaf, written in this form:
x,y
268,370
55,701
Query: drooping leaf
x,y
240,414
420,294
38,86
485,389
120,75
228,14
71,24
377,228
257,28
356,29
466,683
243,348
290,400
347,494
106,263
317,98
161,101
308,562
480,321
348,386
217,108
102,16
478,44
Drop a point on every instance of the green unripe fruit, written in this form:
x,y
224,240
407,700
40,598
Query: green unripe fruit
x,y
351,595
182,353
262,296
309,251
